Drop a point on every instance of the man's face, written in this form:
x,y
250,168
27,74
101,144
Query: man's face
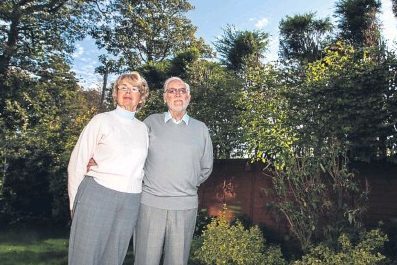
x,y
176,96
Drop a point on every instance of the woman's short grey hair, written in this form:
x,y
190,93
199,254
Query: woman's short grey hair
x,y
175,78
137,80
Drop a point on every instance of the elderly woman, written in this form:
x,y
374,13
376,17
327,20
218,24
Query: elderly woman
x,y
104,201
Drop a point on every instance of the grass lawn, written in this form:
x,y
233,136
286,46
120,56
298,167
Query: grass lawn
x,y
37,247
28,246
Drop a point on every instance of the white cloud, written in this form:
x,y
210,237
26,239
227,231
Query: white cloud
x,y
78,52
261,23
389,22
87,76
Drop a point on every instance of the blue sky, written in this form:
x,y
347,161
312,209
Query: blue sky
x,y
212,16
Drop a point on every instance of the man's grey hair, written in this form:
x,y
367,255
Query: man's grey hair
x,y
175,78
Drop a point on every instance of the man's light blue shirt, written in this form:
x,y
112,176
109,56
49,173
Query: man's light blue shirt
x,y
167,117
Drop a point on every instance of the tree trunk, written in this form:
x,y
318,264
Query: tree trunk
x,y
9,49
104,85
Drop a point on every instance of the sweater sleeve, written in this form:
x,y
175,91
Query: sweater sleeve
x,y
207,159
82,153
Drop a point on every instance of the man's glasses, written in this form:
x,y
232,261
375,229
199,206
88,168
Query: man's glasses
x,y
174,91
131,90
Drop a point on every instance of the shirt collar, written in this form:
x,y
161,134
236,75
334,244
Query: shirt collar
x,y
167,117
125,113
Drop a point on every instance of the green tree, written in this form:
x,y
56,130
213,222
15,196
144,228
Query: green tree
x,y
183,60
31,31
264,119
358,23
147,31
42,119
157,72
215,94
303,37
237,48
341,96
394,2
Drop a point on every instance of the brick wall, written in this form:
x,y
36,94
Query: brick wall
x,y
245,188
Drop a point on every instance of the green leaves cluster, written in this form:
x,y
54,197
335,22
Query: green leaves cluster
x,y
236,48
224,243
40,122
267,133
363,252
358,23
31,31
303,37
140,32
350,96
215,94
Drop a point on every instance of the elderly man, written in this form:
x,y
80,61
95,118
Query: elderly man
x,y
179,160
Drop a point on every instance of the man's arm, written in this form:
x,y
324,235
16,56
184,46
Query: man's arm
x,y
207,158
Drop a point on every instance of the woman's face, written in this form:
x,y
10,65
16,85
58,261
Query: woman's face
x,y
128,95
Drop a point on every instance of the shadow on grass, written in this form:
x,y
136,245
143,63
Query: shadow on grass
x,y
50,251
36,246
42,246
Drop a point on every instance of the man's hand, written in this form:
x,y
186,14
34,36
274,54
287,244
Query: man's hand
x,y
90,164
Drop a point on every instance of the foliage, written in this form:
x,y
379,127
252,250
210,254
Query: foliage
x,y
155,74
183,60
154,104
239,47
363,252
342,94
41,123
394,2
358,23
319,196
303,38
264,119
233,244
31,31
147,31
209,83
215,93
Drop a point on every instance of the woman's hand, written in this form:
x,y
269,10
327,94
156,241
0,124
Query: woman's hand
x,y
90,164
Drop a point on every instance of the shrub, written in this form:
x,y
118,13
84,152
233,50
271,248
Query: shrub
x,y
364,252
319,196
223,243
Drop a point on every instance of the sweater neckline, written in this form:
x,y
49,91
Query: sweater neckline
x,y
130,115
